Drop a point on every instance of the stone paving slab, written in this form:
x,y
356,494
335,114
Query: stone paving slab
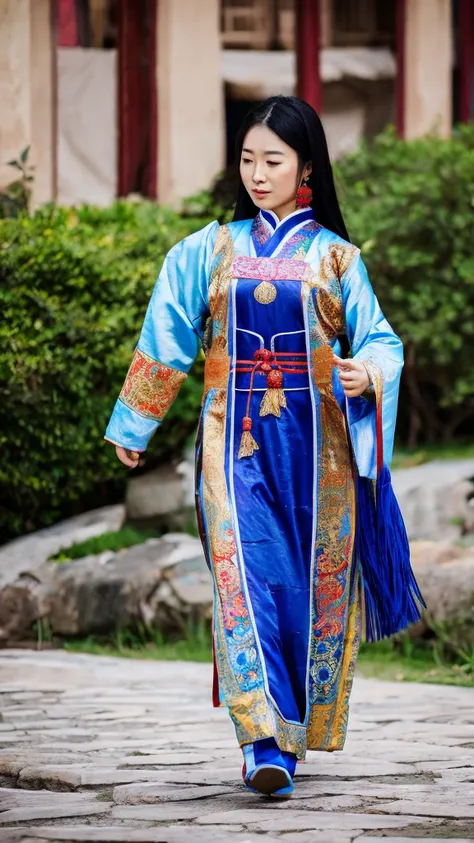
x,y
408,839
130,835
103,750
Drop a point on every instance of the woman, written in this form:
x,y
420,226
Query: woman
x,y
305,556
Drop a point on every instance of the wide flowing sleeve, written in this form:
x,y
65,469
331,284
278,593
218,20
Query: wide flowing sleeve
x,y
168,343
375,344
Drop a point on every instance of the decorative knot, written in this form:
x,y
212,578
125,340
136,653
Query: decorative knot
x,y
263,358
275,379
246,423
264,355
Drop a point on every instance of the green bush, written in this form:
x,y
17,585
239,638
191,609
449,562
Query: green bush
x,y
74,286
410,207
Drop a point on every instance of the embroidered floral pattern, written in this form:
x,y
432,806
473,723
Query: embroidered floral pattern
x,y
269,269
298,245
217,366
150,387
334,640
261,230
335,262
219,284
330,311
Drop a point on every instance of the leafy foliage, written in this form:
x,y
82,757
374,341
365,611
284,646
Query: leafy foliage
x,y
74,286
15,198
409,206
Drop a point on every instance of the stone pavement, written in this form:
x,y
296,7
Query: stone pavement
x,y
101,749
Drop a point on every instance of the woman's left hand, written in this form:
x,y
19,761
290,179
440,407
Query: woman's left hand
x,y
353,376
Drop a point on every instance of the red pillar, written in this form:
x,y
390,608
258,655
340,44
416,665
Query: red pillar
x,y
308,36
67,24
137,98
400,80
466,59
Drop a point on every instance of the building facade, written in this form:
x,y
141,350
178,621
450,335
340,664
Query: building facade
x,y
142,96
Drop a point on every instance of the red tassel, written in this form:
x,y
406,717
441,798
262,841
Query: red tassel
x,y
247,443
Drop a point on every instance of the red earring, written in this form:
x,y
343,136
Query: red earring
x,y
304,196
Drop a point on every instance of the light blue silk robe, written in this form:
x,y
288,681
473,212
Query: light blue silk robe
x,y
277,456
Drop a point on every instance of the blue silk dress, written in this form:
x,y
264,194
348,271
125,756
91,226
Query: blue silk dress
x,y
279,453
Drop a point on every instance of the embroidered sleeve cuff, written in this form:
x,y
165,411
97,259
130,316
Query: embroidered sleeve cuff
x,y
147,394
150,387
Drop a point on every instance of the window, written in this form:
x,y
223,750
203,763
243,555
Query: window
x,y
258,24
363,23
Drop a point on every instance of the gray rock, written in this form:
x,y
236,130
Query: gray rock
x,y
163,583
435,498
161,496
29,552
445,574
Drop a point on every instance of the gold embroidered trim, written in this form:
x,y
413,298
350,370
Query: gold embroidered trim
x,y
376,378
217,366
150,387
323,365
336,261
331,312
221,277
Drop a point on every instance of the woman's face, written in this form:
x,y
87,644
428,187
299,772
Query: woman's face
x,y
269,171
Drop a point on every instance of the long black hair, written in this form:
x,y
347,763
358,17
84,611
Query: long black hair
x,y
298,125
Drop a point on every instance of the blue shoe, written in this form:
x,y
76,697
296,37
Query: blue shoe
x,y
265,770
290,762
270,780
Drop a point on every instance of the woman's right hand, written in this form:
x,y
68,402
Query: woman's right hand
x,y
126,456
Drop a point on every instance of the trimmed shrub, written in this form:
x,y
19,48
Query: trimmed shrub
x,y
74,286
410,207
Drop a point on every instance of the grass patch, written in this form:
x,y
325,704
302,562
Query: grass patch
x,y
127,536
115,541
398,659
403,659
403,458
195,645
168,652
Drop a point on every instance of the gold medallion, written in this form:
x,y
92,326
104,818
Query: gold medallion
x,y
265,293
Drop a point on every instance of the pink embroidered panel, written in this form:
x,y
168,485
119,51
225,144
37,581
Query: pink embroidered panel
x,y
270,269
